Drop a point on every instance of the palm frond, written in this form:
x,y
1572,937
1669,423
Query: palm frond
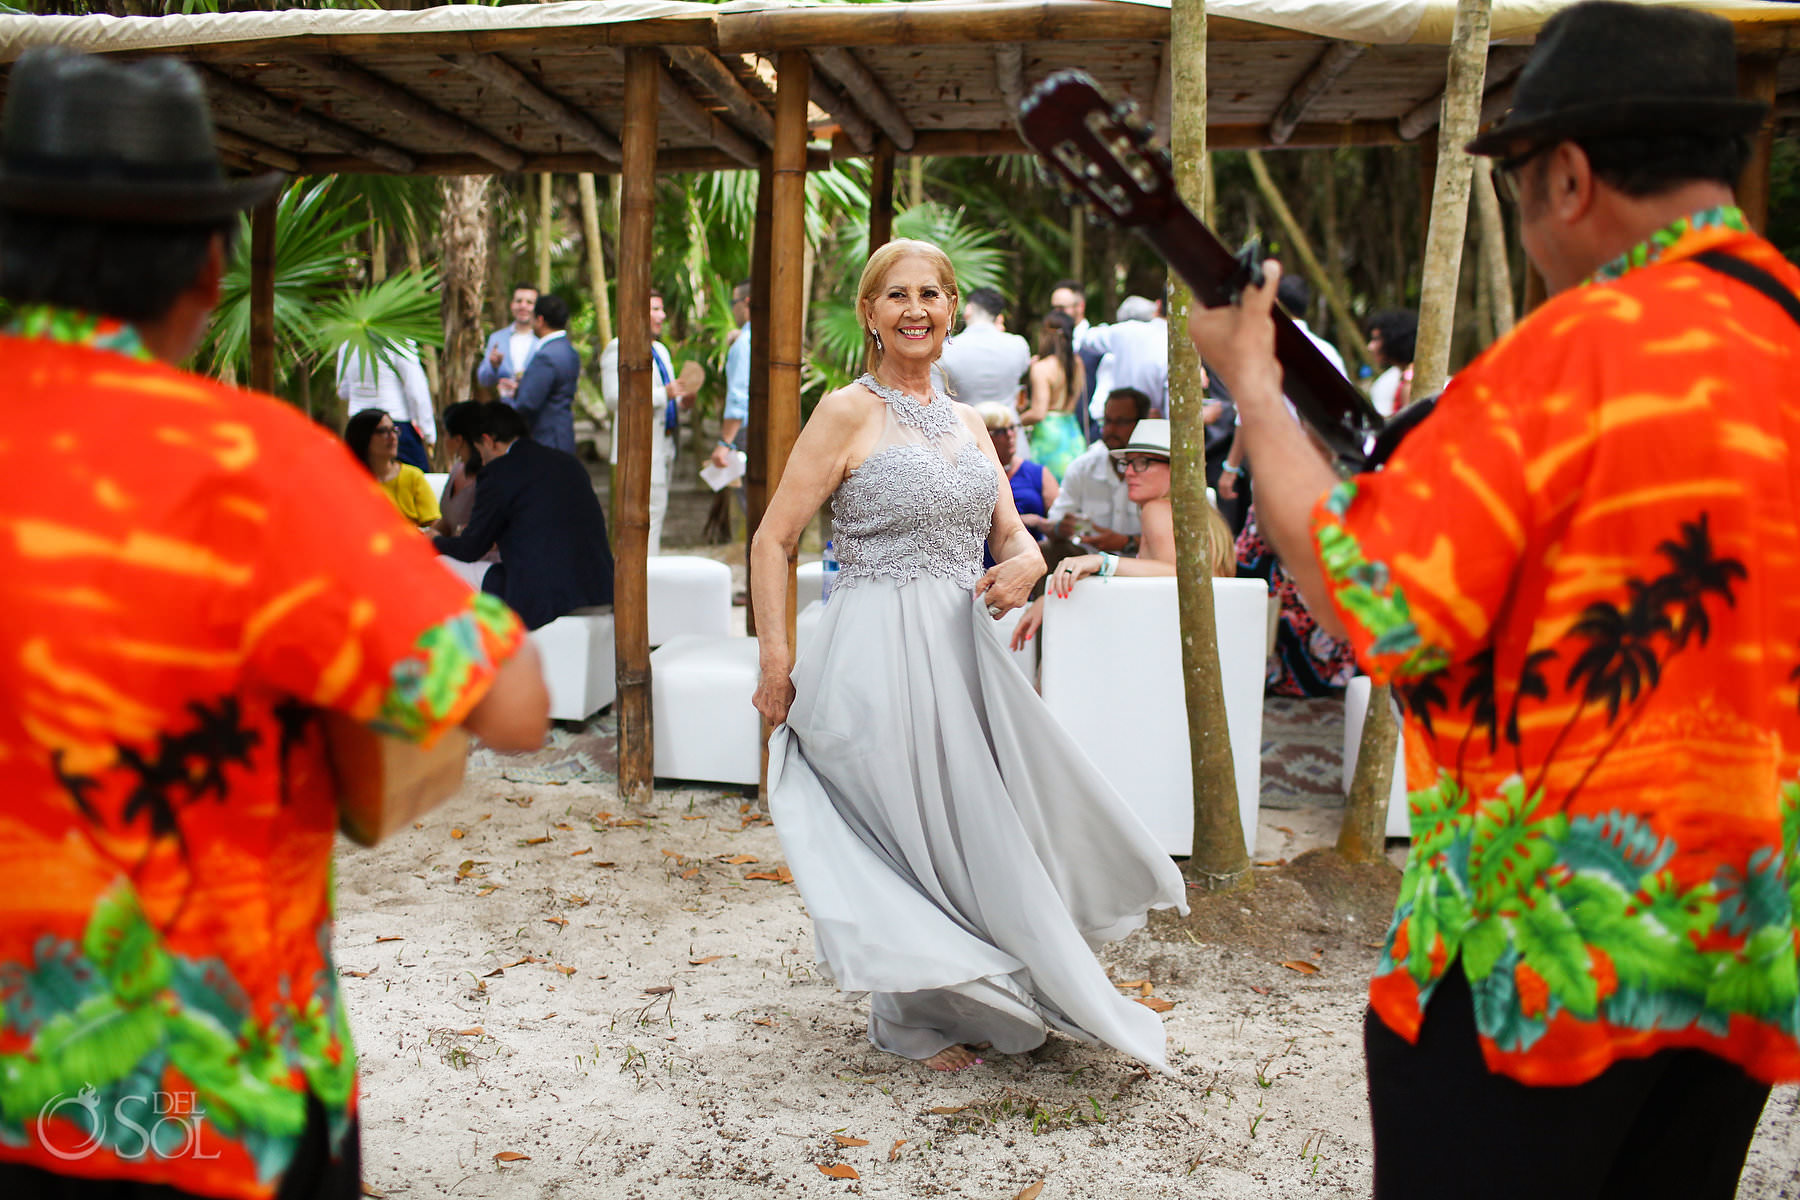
x,y
377,322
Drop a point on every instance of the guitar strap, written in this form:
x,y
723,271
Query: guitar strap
x,y
1751,275
1748,274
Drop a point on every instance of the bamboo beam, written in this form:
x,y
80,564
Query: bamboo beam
x,y
1337,58
558,113
262,295
1757,79
849,117
1009,73
717,78
256,150
857,80
1503,63
959,143
701,120
536,39
787,287
366,85
949,24
631,624
244,98
881,195
700,158
756,471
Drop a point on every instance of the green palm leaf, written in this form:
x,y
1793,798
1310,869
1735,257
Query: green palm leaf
x,y
377,322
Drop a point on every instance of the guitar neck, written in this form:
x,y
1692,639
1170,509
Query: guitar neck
x,y
1326,400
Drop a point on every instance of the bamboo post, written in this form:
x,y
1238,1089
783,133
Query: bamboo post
x,y
1365,813
543,231
1757,81
631,525
1309,261
262,295
1496,271
881,195
756,472
596,257
1218,860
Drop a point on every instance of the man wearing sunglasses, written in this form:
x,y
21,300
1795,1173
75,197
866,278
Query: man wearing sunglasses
x,y
1582,575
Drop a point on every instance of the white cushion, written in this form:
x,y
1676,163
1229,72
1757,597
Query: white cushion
x,y
577,655
1112,674
687,595
436,480
705,726
1356,707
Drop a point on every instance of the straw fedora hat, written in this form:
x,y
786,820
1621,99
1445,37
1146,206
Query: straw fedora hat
x,y
1150,437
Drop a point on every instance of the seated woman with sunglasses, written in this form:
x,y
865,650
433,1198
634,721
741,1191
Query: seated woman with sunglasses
x,y
373,438
1145,462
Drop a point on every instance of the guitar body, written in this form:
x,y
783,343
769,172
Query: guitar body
x,y
385,784
1103,153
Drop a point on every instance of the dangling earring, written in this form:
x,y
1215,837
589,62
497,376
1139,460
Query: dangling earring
x,y
876,336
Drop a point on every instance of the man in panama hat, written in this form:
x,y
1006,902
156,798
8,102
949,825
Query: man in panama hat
x,y
189,573
1582,576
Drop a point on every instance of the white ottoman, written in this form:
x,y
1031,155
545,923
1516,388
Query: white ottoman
x,y
1356,706
436,480
809,584
1135,728
700,693
688,595
577,654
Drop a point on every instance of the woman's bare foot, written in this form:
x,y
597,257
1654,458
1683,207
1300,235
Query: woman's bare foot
x,y
953,1058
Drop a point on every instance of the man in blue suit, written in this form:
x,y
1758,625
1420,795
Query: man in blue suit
x,y
546,393
509,348
538,507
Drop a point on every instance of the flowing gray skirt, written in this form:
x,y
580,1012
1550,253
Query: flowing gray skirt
x,y
960,858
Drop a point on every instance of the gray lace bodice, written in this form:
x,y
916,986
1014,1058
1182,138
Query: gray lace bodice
x,y
921,503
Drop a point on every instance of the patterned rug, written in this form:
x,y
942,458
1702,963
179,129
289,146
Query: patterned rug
x,y
1302,753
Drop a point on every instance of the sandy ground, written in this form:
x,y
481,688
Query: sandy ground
x,y
554,997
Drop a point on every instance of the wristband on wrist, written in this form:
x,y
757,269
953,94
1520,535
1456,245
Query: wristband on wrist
x,y
726,444
1108,564
1229,469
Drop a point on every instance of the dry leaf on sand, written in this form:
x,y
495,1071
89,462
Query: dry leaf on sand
x,y
841,1140
946,1110
701,962
840,1171
1031,1193
660,989
511,1156
737,859
1153,1003
895,1152
1305,968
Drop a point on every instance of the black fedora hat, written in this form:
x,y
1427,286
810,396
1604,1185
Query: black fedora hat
x,y
90,139
1605,68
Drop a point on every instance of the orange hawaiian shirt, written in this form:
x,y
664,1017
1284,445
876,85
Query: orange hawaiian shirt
x,y
188,573
1582,574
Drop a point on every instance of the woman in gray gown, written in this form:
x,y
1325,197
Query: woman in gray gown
x,y
959,857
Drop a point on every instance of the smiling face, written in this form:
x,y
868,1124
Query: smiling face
x,y
911,310
657,316
524,300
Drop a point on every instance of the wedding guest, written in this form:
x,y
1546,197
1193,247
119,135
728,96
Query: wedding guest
x,y
375,441
1034,486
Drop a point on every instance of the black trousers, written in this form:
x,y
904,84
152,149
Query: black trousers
x,y
313,1175
1675,1124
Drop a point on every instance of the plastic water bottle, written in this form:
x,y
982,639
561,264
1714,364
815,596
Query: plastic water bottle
x,y
831,570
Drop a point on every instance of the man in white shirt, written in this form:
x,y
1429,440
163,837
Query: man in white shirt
x,y
670,396
984,364
398,387
1136,353
510,347
1093,503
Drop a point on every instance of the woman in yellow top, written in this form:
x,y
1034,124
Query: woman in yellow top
x,y
375,441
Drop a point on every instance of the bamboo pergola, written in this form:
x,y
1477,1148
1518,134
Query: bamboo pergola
x,y
637,87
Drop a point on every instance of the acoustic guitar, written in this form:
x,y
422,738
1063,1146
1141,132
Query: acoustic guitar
x,y
1100,151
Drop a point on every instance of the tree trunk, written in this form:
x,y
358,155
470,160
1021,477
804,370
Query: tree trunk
x,y
1496,269
1218,860
1350,332
543,231
1364,814
465,263
596,259
1303,248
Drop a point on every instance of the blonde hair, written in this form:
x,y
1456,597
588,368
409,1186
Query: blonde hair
x,y
997,416
880,263
1221,543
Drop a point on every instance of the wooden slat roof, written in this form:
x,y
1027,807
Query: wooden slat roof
x,y
540,87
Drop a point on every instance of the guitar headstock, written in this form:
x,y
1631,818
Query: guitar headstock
x,y
1100,148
